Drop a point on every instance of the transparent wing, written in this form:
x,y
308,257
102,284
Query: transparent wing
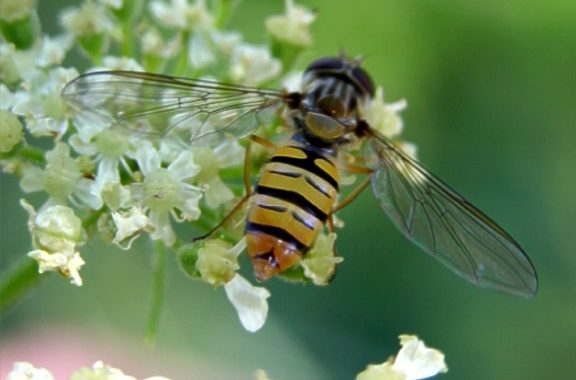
x,y
447,226
161,104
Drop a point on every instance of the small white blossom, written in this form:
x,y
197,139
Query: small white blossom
x,y
41,105
53,50
200,50
218,262
98,371
16,65
249,301
384,117
15,10
293,82
320,262
10,131
253,65
293,26
109,149
153,43
101,371
114,4
26,371
194,18
88,20
9,63
414,361
7,97
61,179
211,161
226,41
183,15
67,265
56,232
166,190
111,62
116,196
129,225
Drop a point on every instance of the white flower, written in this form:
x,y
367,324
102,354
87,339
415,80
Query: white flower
x,y
153,44
253,65
200,50
61,179
292,27
414,361
114,4
320,262
218,262
98,371
166,190
193,18
7,97
129,224
56,232
227,154
53,50
111,62
15,10
249,301
109,149
384,117
67,265
226,40
101,371
293,82
41,105
26,371
90,19
10,131
9,64
180,14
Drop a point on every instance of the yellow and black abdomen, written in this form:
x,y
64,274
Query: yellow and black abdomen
x,y
294,196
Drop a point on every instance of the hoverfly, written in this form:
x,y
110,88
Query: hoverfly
x,y
298,186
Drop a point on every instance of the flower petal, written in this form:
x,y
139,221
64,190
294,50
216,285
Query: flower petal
x,y
249,301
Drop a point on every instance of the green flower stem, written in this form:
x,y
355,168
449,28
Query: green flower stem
x,y
159,268
128,40
224,9
34,154
182,63
17,281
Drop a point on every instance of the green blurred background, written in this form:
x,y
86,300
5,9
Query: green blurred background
x,y
491,88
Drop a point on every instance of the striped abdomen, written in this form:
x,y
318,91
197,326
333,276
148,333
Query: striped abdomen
x,y
295,195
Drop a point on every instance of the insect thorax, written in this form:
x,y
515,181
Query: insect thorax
x,y
329,110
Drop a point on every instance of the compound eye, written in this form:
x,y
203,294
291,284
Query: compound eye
x,y
326,64
364,80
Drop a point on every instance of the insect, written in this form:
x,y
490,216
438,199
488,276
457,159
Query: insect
x,y
296,194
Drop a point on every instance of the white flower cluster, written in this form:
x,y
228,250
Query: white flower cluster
x,y
414,361
98,371
125,185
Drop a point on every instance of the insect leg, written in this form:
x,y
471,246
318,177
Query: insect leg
x,y
247,187
357,190
247,184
